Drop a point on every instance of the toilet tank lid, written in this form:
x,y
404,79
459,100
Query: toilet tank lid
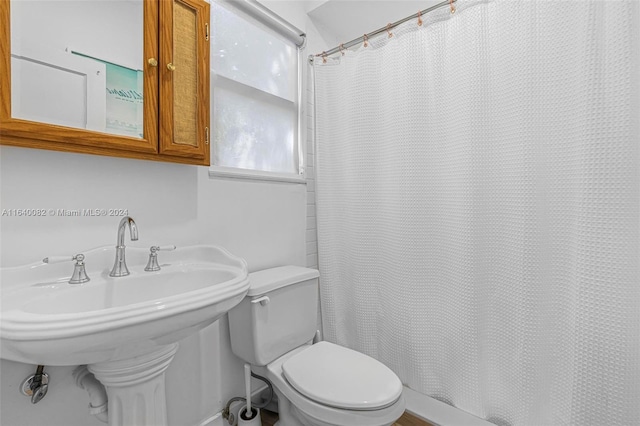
x,y
267,280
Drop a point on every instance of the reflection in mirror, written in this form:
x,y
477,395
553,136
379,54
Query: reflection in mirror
x,y
78,63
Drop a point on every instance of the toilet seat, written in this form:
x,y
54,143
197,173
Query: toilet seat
x,y
339,377
321,414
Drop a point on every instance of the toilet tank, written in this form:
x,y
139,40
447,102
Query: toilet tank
x,y
278,314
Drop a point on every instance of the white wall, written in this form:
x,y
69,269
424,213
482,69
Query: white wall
x,y
265,223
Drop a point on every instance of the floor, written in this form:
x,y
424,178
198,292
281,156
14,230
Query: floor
x,y
269,419
409,420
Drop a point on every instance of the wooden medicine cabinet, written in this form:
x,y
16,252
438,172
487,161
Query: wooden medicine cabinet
x,y
124,79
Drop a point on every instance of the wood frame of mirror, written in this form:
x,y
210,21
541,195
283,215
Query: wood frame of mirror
x,y
30,134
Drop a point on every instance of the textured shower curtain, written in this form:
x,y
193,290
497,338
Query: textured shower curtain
x,y
478,197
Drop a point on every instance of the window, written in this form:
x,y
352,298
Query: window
x,y
255,99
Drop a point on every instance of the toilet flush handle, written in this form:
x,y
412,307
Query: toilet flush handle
x,y
264,300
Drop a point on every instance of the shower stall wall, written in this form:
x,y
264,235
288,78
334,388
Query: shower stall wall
x,y
478,202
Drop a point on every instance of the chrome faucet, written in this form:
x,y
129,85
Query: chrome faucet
x,y
120,266
79,272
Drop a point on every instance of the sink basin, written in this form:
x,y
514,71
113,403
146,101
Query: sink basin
x,y
46,320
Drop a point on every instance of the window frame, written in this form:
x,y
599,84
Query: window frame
x,y
279,26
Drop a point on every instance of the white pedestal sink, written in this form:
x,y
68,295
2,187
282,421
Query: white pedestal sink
x,y
135,387
125,329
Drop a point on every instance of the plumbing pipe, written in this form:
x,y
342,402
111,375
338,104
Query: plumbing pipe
x,y
97,393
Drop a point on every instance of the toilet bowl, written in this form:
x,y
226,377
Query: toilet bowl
x,y
321,404
320,384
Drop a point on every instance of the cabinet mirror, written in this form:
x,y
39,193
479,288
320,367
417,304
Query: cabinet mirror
x,y
78,64
79,75
126,78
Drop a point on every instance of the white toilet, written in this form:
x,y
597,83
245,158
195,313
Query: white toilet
x,y
316,385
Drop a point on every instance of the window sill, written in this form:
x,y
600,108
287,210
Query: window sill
x,y
258,175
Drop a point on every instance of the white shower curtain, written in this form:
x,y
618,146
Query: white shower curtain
x,y
478,197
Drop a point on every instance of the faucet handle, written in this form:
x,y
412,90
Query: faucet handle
x,y
152,264
155,249
58,259
79,273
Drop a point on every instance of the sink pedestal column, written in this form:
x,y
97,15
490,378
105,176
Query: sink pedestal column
x,y
135,387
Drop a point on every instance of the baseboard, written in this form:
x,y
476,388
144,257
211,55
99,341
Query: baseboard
x,y
215,420
437,413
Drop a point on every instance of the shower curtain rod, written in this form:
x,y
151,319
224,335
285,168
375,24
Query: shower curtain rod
x,y
386,28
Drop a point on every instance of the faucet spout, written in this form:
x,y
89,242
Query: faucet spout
x,y
120,266
133,230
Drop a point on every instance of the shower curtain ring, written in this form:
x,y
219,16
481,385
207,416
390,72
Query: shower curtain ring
x,y
453,8
342,48
366,40
389,31
419,18
324,57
